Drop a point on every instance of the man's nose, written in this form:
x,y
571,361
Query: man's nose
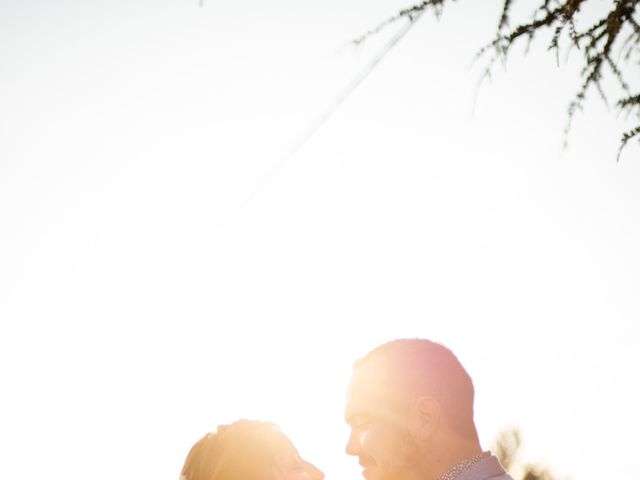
x,y
353,445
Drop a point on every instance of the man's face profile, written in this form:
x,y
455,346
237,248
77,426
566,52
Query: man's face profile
x,y
378,420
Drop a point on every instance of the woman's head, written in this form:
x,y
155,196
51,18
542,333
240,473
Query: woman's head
x,y
247,450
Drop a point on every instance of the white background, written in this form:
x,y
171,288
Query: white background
x,y
142,302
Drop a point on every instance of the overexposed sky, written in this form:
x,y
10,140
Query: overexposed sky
x,y
142,302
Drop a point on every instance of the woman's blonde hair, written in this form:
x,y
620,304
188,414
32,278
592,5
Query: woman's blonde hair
x,y
243,450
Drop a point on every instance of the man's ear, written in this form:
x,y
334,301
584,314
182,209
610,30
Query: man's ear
x,y
425,417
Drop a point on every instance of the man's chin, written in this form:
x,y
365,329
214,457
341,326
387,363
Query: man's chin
x,y
370,473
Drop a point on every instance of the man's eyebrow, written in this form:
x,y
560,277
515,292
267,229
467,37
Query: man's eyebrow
x,y
356,417
350,416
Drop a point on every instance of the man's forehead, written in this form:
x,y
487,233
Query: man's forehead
x,y
374,390
368,379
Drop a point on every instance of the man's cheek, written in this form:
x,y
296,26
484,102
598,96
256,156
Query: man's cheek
x,y
370,443
364,441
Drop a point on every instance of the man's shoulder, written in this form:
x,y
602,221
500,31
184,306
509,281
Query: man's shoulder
x,y
504,476
489,468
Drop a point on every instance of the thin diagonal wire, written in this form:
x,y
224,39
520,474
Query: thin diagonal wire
x,y
314,126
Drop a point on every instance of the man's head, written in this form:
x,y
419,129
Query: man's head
x,y
410,407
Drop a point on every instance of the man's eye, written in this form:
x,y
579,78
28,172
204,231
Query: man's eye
x,y
361,422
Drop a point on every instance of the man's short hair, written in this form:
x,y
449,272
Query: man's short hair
x,y
422,367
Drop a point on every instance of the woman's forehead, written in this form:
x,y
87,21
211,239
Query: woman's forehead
x,y
281,446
